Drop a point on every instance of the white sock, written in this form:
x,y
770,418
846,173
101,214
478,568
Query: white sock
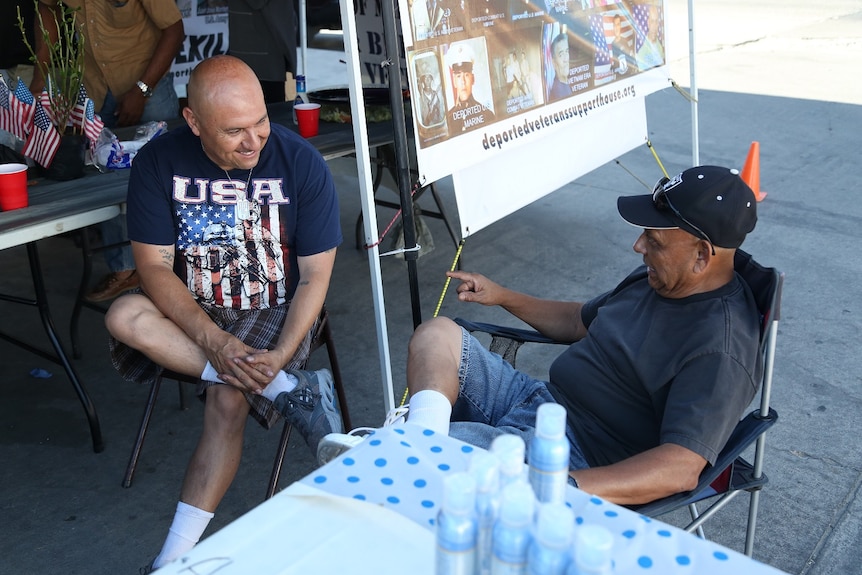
x,y
430,409
283,383
210,374
186,530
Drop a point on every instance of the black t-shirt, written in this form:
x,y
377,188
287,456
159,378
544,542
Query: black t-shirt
x,y
654,370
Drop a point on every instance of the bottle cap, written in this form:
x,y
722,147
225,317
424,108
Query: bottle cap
x,y
485,469
593,546
459,493
551,421
555,525
517,504
510,450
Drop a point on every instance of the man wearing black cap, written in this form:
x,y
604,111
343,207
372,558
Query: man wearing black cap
x,y
466,113
660,369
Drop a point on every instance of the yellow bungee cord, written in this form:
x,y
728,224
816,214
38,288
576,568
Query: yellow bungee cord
x,y
440,301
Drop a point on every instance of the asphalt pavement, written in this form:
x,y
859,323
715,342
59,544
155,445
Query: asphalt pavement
x,y
782,73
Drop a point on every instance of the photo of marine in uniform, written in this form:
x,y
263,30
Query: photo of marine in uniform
x,y
467,112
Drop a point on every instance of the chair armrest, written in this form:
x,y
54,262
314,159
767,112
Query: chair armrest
x,y
744,435
520,335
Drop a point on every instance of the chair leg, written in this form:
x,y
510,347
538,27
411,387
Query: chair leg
x,y
86,272
753,504
142,433
279,459
692,509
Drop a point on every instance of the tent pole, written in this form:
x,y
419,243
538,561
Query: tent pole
x,y
303,38
366,188
695,140
402,158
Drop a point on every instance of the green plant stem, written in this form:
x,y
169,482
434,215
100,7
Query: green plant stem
x,y
63,71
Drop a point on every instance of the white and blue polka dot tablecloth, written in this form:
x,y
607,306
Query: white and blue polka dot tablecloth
x,y
402,468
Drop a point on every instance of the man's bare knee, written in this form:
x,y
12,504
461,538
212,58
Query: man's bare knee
x,y
434,356
226,406
435,335
123,315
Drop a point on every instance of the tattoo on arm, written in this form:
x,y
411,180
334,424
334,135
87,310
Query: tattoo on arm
x,y
167,257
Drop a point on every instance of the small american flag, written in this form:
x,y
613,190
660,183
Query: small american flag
x,y
45,102
8,121
84,114
20,109
44,139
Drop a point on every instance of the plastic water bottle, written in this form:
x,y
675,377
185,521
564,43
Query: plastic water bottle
x,y
456,527
549,454
485,469
510,450
511,536
301,95
593,551
550,550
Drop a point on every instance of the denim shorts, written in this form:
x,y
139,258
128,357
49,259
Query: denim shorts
x,y
495,398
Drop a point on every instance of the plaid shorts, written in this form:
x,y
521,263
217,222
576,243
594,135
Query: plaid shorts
x,y
257,328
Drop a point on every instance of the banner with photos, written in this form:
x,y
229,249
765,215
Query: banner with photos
x,y
491,76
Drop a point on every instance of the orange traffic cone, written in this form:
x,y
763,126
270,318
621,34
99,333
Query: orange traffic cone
x,y
751,171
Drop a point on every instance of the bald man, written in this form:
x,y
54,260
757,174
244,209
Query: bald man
x,y
234,225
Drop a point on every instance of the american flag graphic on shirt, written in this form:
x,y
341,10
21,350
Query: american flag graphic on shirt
x,y
233,255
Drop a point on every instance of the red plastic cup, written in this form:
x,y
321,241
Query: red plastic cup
x,y
308,118
13,186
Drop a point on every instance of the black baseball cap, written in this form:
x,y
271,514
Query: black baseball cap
x,y
710,202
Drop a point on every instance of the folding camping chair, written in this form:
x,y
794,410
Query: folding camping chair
x,y
731,474
323,337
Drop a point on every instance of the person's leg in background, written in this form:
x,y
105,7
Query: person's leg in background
x,y
122,277
162,105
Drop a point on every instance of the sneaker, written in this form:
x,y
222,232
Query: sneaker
x,y
311,406
114,284
334,444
